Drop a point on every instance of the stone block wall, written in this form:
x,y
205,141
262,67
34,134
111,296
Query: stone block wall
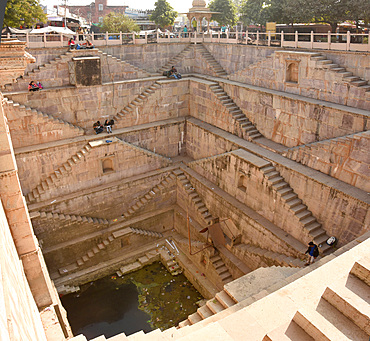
x,y
28,127
292,121
344,158
309,78
150,57
44,56
126,161
344,216
20,319
196,147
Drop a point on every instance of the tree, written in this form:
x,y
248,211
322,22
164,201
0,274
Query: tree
x,y
118,22
254,12
227,11
163,14
23,13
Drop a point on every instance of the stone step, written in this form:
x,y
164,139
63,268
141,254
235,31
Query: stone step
x,y
361,269
204,312
350,304
194,318
288,332
224,299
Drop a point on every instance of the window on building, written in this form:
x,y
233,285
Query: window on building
x,y
100,19
100,7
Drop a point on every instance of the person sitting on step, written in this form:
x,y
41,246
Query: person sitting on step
x,y
32,86
108,126
173,73
98,127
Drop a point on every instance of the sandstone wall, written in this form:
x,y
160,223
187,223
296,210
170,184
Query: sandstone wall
x,y
344,158
84,106
29,127
310,79
293,121
19,318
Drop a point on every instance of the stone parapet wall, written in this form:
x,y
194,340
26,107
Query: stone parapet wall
x,y
344,158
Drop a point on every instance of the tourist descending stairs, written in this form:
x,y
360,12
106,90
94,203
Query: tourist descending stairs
x,y
307,222
128,109
221,269
125,65
63,170
249,131
32,112
194,196
168,181
344,312
22,81
347,77
216,67
175,61
70,217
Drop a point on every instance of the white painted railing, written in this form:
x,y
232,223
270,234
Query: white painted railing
x,y
327,41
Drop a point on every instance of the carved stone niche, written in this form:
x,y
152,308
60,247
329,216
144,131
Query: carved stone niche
x,y
292,68
85,71
107,165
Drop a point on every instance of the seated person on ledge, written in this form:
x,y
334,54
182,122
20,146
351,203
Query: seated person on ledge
x,y
33,86
87,45
98,127
71,44
173,73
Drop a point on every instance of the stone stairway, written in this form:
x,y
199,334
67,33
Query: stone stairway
x,y
305,219
175,60
221,269
240,293
149,196
128,109
86,257
347,77
125,65
33,75
144,150
31,112
194,196
72,218
344,311
263,63
146,233
249,131
216,67
268,257
63,170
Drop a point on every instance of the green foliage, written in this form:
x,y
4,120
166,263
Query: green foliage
x,y
254,12
23,12
227,11
163,14
118,22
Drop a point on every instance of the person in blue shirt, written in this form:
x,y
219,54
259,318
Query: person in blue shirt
x,y
313,252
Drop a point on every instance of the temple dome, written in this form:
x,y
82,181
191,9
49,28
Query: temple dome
x,y
199,3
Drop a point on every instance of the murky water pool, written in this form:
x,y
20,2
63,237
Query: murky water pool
x,y
145,300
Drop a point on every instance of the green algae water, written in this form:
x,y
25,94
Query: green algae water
x,y
147,299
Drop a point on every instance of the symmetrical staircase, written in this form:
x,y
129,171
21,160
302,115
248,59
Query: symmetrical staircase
x,y
144,150
33,75
268,257
63,170
194,196
125,65
221,269
344,312
249,130
128,109
347,77
175,60
216,67
149,196
305,218
31,112
146,233
71,218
